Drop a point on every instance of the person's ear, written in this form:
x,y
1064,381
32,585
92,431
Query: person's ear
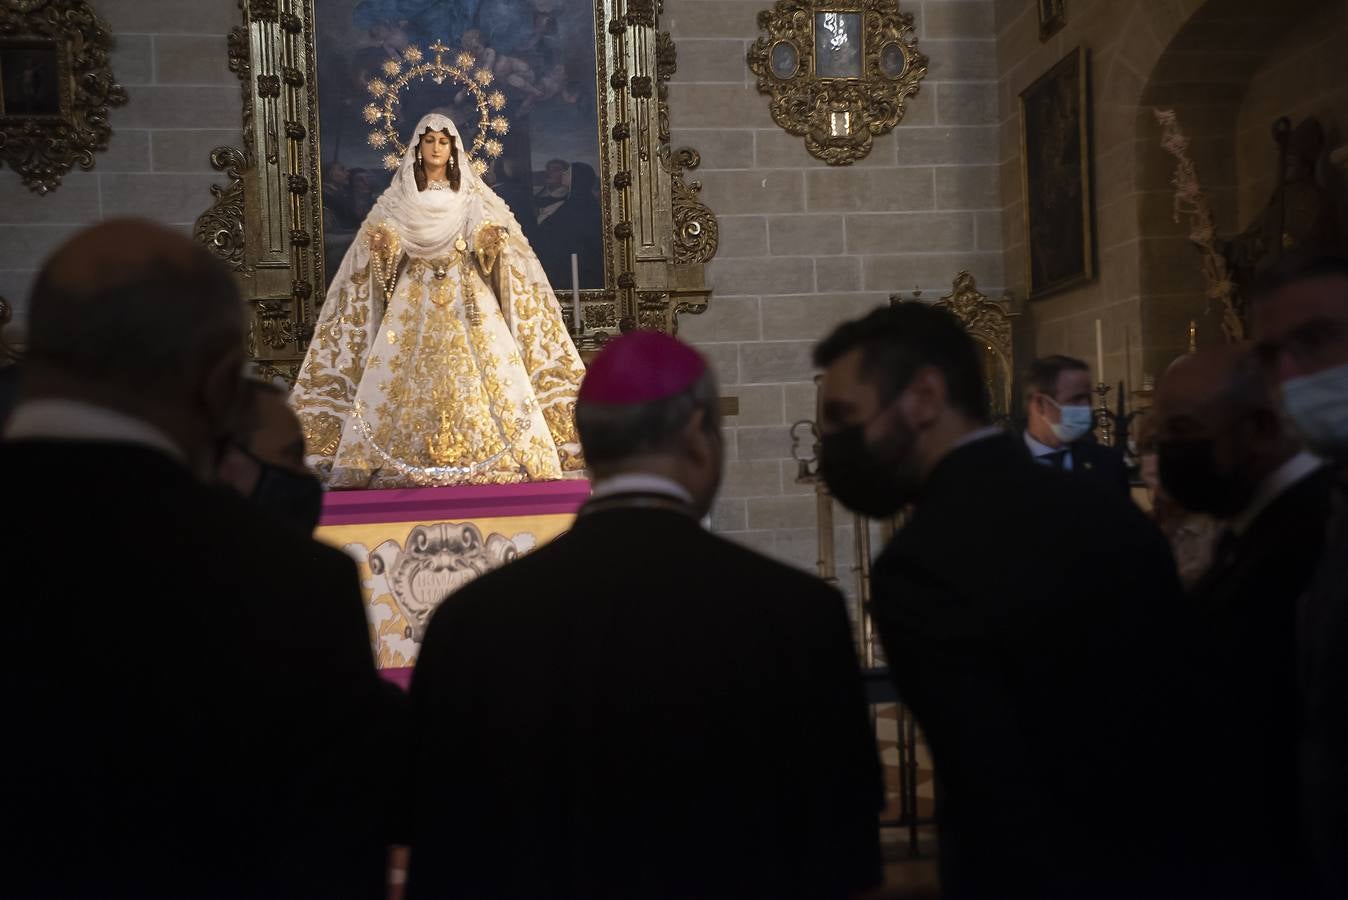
x,y
702,445
238,471
924,400
222,389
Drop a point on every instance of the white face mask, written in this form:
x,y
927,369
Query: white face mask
x,y
1075,422
1318,407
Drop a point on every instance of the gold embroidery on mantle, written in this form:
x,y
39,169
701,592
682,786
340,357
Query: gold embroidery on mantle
x,y
442,385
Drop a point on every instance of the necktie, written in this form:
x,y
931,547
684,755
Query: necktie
x,y
1056,459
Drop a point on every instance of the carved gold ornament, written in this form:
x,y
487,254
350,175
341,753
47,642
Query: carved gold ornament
x,y
54,108
435,561
266,220
840,72
989,323
383,112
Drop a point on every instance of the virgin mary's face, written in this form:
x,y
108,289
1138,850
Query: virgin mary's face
x,y
435,149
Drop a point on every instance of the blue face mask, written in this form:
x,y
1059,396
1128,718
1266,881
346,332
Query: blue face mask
x,y
1076,422
1318,407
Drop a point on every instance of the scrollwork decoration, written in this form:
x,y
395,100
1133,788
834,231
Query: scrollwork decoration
x,y
696,235
266,221
981,315
220,228
276,325
840,72
988,322
66,123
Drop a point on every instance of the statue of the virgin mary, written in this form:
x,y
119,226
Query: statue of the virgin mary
x,y
440,355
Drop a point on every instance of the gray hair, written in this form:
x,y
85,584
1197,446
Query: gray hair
x,y
610,434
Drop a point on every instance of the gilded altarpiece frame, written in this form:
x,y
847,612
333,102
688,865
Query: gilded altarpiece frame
x,y
989,322
267,221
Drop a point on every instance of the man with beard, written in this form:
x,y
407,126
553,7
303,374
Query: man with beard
x,y
1031,621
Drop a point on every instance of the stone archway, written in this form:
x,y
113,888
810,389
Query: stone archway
x,y
1196,55
1204,73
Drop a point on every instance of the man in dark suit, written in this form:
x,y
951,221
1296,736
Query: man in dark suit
x,y
1058,393
640,708
1030,620
1300,318
1223,449
191,704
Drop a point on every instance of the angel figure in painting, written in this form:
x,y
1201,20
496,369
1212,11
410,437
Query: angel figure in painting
x,y
440,355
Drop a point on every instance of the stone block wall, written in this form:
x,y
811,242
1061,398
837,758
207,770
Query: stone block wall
x,y
182,102
1209,60
805,246
1124,38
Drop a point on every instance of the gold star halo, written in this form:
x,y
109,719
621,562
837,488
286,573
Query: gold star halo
x,y
415,65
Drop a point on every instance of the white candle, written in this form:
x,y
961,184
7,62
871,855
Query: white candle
x,y
575,294
1099,352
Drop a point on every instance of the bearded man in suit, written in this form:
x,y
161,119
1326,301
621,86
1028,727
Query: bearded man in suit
x,y
1032,621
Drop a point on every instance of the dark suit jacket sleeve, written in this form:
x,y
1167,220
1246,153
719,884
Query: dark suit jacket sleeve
x,y
349,718
843,755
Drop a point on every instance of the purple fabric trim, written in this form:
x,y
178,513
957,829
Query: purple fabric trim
x,y
402,677
448,503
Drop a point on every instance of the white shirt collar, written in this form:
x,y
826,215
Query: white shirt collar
x,y
640,483
1274,486
1038,447
72,420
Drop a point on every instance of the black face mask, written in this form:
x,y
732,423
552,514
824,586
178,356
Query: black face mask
x,y
294,499
861,480
1189,475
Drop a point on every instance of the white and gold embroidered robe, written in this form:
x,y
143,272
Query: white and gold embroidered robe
x,y
451,369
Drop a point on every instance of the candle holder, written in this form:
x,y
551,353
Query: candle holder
x,y
1104,419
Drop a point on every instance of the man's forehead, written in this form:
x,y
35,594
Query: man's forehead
x,y
845,374
1074,379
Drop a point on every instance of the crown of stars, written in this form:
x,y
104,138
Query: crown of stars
x,y
413,65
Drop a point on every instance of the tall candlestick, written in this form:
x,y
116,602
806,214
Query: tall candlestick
x,y
1128,357
576,320
1099,352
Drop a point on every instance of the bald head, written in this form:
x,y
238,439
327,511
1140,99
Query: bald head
x,y
1219,430
134,304
1212,385
138,318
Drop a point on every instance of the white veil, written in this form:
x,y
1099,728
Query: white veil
x,y
429,221
548,369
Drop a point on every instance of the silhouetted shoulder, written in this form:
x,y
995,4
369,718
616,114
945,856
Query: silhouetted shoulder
x,y
643,559
788,581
